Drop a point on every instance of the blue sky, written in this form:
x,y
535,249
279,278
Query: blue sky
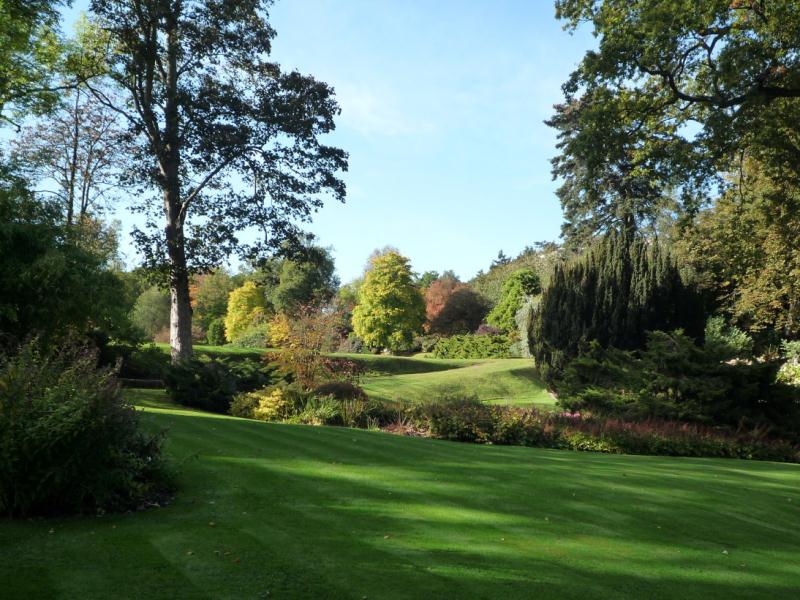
x,y
442,114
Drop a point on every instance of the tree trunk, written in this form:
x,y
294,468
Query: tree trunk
x,y
180,321
73,161
180,314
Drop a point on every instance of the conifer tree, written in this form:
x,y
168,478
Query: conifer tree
x,y
622,288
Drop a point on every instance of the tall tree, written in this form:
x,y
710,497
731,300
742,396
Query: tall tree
x,y
614,181
730,66
307,278
520,286
75,152
745,250
390,308
228,140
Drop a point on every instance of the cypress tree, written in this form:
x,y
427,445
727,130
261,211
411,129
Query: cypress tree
x,y
623,287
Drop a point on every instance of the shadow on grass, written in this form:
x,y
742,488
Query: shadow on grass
x,y
304,512
451,520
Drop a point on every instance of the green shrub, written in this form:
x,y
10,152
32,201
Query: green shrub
x,y
68,441
201,383
726,342
673,378
473,346
244,404
460,418
215,335
254,336
149,362
426,343
791,350
211,383
319,411
269,404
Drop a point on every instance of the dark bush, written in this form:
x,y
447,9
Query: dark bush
x,y
473,346
210,384
341,390
216,332
672,378
201,383
149,362
68,441
623,287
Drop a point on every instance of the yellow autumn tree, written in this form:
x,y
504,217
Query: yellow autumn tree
x,y
390,309
246,307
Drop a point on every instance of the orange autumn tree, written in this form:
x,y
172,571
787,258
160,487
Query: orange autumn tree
x,y
436,296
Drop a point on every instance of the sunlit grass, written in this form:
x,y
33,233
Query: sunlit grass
x,y
499,381
285,511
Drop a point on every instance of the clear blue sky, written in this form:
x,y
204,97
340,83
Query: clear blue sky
x,y
442,109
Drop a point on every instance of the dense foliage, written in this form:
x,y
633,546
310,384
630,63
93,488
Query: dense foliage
x,y
68,441
246,307
212,383
452,307
48,282
675,379
210,292
391,309
745,251
473,346
519,286
621,289
29,55
728,68
151,312
307,278
465,419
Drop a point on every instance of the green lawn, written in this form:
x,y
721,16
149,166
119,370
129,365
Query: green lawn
x,y
286,511
419,378
512,381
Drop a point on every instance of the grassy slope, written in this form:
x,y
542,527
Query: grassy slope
x,y
285,511
416,379
512,380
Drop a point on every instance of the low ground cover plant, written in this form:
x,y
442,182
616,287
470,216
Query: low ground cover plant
x,y
465,419
69,443
336,403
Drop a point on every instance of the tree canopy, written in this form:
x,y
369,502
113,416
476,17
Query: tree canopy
x,y
228,140
29,53
390,309
675,91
